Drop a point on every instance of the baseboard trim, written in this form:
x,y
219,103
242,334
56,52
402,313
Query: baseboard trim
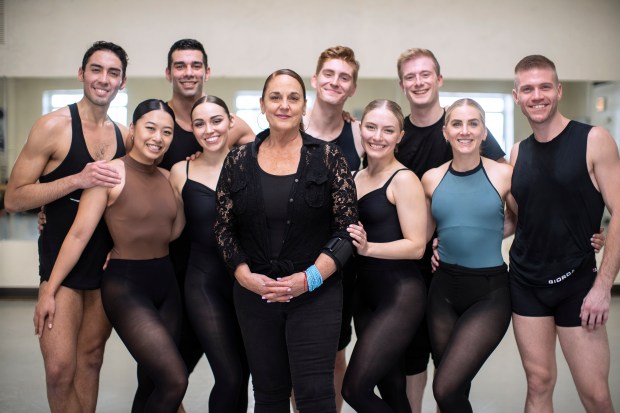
x,y
18,293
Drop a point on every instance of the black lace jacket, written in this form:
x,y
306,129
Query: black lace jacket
x,y
322,204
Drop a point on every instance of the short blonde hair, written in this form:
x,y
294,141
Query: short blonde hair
x,y
415,53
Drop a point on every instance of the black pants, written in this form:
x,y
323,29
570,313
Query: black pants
x,y
292,346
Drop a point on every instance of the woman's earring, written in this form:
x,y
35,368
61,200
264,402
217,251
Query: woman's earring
x,y
259,117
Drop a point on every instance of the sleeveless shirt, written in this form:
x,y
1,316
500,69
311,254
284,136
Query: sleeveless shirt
x,y
470,219
380,219
346,143
86,274
559,207
183,145
200,213
141,218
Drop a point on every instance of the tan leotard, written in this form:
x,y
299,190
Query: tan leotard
x,y
141,219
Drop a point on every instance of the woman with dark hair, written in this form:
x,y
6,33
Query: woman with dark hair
x,y
139,290
284,203
208,288
390,291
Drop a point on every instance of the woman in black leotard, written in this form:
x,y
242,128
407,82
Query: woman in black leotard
x,y
208,288
390,291
139,289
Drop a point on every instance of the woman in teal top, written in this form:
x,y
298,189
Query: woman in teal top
x,y
469,299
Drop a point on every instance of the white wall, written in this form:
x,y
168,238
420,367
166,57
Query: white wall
x,y
19,264
477,39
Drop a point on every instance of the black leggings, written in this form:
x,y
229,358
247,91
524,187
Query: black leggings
x,y
468,314
141,299
210,307
189,344
391,300
292,345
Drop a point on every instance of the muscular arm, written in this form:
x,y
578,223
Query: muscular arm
x,y
240,133
43,148
604,167
408,196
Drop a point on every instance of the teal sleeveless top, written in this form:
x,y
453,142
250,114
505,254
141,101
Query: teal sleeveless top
x,y
469,213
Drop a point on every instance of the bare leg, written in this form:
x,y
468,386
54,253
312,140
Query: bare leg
x,y
587,354
92,336
415,390
536,337
59,348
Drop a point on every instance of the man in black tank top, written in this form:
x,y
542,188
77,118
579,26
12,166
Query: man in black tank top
x,y
562,174
187,70
67,151
424,147
335,81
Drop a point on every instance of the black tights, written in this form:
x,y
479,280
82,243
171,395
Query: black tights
x,y
210,307
468,314
141,299
390,306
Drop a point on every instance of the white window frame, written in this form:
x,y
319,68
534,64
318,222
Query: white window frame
x,y
56,99
247,107
494,105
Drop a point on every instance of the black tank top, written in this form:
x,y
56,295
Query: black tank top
x,y
200,212
559,207
61,213
183,145
347,145
380,218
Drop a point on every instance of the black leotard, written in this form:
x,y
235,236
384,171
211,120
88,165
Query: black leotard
x,y
390,303
209,303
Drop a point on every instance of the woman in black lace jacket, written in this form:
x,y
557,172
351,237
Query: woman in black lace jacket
x,y
284,204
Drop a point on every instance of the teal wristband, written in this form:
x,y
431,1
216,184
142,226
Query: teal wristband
x,y
314,278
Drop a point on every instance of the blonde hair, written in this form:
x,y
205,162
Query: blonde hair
x,y
415,53
465,102
389,105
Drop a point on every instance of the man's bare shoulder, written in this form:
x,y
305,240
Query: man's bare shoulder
x,y
51,125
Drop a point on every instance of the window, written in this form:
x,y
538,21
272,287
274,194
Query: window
x,y
56,99
498,108
247,107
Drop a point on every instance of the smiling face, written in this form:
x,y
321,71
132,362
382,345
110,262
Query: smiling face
x,y
152,135
381,130
538,93
420,81
102,77
210,124
335,82
187,73
464,129
283,103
